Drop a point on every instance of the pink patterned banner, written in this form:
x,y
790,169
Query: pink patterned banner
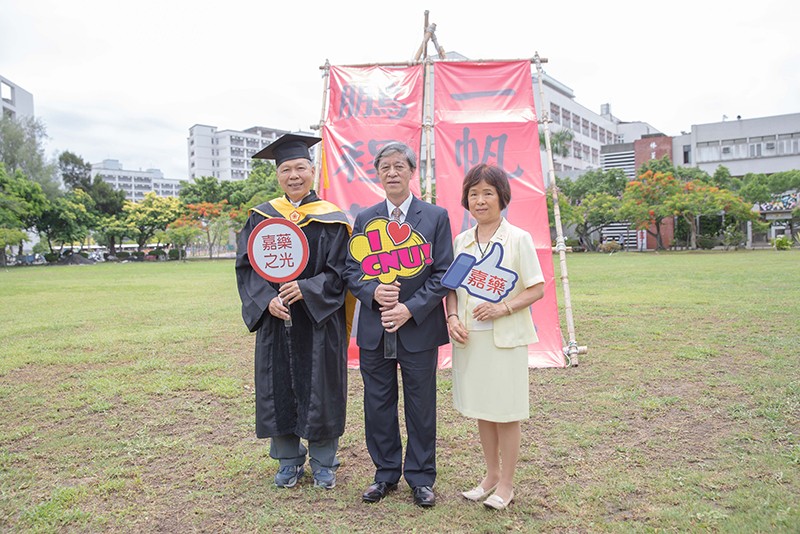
x,y
368,107
485,114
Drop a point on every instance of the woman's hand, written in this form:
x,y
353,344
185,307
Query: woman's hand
x,y
456,329
487,311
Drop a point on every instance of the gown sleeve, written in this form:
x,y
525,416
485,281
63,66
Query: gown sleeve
x,y
254,291
323,294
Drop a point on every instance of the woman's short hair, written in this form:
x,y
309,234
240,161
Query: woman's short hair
x,y
396,147
492,175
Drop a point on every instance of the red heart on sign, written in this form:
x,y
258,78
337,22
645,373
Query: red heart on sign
x,y
398,233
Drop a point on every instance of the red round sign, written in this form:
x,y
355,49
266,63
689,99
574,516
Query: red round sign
x,y
277,250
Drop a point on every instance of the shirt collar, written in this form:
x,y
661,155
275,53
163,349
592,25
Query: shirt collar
x,y
403,207
500,236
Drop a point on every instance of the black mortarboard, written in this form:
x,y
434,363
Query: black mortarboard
x,y
288,146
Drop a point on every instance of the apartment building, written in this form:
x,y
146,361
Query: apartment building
x,y
15,101
226,154
136,184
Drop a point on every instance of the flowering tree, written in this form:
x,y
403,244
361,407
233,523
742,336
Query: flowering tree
x,y
214,219
182,232
644,202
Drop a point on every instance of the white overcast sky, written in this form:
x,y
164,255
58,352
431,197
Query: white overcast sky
x,y
126,80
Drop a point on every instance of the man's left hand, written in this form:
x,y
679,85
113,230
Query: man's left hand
x,y
395,317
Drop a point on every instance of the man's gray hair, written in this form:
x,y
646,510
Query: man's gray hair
x,y
396,147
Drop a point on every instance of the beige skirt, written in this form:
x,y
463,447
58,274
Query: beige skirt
x,y
490,383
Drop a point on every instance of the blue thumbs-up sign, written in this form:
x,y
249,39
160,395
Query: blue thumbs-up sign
x,y
484,279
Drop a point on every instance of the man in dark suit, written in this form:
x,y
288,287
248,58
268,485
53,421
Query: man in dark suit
x,y
413,309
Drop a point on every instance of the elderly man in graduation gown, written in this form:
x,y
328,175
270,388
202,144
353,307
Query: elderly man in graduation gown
x,y
300,371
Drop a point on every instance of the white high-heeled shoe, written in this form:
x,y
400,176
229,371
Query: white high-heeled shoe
x,y
497,502
477,493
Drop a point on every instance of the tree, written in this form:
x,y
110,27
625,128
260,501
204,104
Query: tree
x,y
261,186
560,141
722,178
611,182
75,172
21,201
151,214
643,202
663,165
203,189
110,230
781,182
182,233
9,237
112,227
754,188
692,200
594,211
21,149
214,221
68,219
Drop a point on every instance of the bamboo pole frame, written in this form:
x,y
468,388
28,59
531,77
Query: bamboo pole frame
x,y
572,349
318,156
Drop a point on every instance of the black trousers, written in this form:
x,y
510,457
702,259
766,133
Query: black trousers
x,y
381,420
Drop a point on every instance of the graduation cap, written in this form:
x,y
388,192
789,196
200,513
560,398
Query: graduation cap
x,y
288,146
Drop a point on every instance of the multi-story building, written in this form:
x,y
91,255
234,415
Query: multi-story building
x,y
225,154
15,101
761,145
591,131
136,184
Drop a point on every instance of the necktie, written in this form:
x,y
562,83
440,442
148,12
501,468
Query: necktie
x,y
396,214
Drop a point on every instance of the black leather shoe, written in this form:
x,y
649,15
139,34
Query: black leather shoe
x,y
378,491
424,497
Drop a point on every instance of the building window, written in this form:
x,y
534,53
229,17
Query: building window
x,y
594,131
687,153
555,113
6,92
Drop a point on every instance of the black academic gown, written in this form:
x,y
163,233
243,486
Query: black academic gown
x,y
300,379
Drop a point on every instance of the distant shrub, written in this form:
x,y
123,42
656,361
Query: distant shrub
x,y
138,255
158,252
782,242
84,254
174,252
51,257
732,237
610,247
123,255
706,242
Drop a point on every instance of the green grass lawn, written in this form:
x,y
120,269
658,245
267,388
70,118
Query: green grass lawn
x,y
127,405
